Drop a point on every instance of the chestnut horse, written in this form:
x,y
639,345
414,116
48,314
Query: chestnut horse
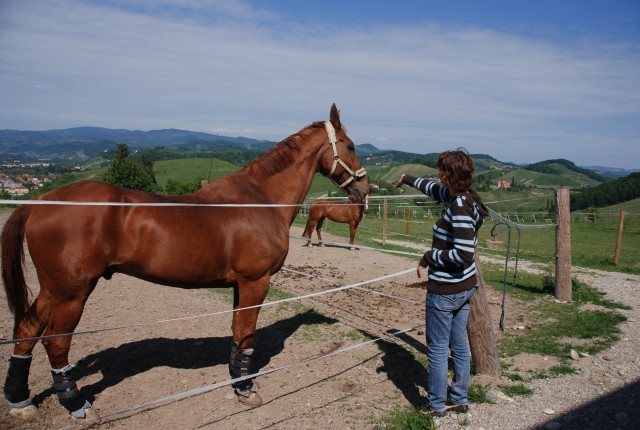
x,y
338,211
186,246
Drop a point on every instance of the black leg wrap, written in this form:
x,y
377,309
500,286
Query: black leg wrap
x,y
239,366
68,394
16,386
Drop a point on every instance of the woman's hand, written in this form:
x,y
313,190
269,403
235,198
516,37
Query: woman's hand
x,y
399,183
420,271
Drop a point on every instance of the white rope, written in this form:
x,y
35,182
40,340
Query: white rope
x,y
254,205
164,204
496,216
76,203
348,246
276,302
334,281
520,198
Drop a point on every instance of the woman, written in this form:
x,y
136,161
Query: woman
x,y
451,280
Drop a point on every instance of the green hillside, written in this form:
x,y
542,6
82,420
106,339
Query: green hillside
x,y
521,177
632,207
192,169
533,183
531,179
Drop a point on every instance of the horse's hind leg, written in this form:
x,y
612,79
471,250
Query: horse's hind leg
x,y
16,386
308,230
47,317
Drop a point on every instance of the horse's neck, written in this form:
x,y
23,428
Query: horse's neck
x,y
291,184
287,187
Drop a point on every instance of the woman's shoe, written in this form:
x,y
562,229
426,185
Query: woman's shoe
x,y
459,409
428,411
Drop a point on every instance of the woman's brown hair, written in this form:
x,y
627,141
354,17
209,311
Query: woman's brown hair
x,y
456,168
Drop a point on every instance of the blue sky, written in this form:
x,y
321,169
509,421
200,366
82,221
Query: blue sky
x,y
523,81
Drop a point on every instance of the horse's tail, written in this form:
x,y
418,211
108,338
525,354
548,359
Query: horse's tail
x,y
12,241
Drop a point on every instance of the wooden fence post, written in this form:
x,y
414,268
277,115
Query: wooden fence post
x,y
616,255
563,246
482,341
384,222
408,217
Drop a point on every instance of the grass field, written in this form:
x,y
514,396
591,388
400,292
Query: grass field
x,y
593,243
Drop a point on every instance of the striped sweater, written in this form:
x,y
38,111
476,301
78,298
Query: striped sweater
x,y
450,260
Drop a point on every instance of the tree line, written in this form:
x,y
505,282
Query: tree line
x,y
618,191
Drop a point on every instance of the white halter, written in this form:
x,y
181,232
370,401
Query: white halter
x,y
336,158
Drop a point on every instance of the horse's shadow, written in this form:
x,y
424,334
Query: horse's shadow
x,y
130,359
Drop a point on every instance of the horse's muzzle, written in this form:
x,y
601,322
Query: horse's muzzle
x,y
358,190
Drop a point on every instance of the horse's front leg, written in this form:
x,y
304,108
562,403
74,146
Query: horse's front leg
x,y
243,326
352,236
319,231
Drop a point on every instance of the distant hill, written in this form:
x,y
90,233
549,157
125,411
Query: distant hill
x,y
82,143
611,171
558,166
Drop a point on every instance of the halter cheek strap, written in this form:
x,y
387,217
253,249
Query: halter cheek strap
x,y
336,158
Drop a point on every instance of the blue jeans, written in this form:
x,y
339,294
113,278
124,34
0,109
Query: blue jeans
x,y
447,317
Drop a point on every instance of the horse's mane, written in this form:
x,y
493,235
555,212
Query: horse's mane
x,y
282,155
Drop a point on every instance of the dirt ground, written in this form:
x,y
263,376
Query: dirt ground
x,y
168,343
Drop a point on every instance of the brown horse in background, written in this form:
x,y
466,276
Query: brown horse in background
x,y
186,245
339,211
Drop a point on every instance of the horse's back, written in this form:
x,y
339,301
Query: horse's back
x,y
85,191
335,210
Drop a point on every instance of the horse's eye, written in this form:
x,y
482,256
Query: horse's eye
x,y
351,147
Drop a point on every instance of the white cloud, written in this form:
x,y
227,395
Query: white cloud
x,y
227,66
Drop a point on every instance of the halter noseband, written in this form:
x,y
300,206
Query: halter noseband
x,y
336,158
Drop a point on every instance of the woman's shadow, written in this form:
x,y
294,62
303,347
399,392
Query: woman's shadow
x,y
403,367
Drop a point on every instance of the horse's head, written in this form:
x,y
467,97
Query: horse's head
x,y
340,162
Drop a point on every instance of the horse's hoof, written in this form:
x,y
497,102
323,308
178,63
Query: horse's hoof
x,y
254,400
321,244
90,415
353,248
308,245
26,412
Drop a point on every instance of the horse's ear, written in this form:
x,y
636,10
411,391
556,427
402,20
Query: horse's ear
x,y
334,117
